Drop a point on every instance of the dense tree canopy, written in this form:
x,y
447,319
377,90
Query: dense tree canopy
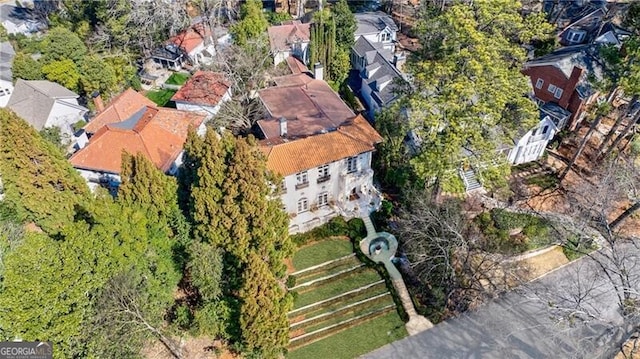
x,y
468,95
253,23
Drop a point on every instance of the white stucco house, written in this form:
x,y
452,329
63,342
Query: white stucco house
x,y
195,46
289,39
6,77
377,27
530,147
321,149
204,93
47,104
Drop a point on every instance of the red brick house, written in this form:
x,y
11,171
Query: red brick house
x,y
564,77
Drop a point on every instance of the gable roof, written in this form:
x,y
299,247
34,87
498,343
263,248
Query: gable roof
x,y
296,66
157,133
6,59
33,100
192,37
120,109
373,22
382,80
203,88
282,36
309,105
288,157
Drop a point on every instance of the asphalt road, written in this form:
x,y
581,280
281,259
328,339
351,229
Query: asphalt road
x,y
523,324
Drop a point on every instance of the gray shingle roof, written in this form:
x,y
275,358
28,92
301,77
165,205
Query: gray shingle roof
x,y
33,100
382,81
6,58
365,48
373,22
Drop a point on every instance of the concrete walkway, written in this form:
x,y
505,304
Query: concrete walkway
x,y
417,323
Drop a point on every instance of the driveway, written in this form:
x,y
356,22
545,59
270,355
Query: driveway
x,y
522,324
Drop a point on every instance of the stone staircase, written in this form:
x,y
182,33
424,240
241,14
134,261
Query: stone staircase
x,y
371,230
470,180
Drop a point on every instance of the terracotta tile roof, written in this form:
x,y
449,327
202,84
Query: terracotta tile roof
x,y
192,37
296,66
282,36
287,158
120,109
310,107
203,88
158,133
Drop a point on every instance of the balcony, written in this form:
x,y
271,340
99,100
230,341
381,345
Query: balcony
x,y
302,185
324,178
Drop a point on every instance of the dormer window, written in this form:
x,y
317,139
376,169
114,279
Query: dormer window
x,y
385,36
575,36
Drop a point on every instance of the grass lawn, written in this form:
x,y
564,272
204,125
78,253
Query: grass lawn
x,y
177,78
333,288
355,341
160,97
321,252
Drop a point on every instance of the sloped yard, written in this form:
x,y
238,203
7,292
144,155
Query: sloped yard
x,y
336,293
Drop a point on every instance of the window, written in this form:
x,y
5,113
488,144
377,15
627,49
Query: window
x,y
323,199
302,180
352,164
1,92
303,205
385,36
552,88
323,173
539,83
283,186
558,93
545,129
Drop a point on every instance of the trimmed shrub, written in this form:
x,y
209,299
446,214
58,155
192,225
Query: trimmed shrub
x,y
335,227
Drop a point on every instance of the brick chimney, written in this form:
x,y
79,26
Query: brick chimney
x,y
283,127
570,87
97,101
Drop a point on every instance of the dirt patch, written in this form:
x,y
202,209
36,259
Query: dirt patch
x,y
630,349
544,262
192,347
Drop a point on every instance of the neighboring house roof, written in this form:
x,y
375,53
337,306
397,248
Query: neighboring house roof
x,y
310,106
33,100
204,88
169,52
282,36
589,23
157,133
120,109
365,48
611,34
6,59
192,37
373,23
20,16
383,75
565,59
289,157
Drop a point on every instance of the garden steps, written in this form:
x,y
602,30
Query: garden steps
x,y
308,338
344,311
319,266
372,288
328,269
335,276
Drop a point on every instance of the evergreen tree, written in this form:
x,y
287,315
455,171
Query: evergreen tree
x,y
252,25
38,181
62,44
26,68
345,24
263,316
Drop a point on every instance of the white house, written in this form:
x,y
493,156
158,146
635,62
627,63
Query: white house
x,y
321,149
194,45
47,104
204,92
326,175
377,27
6,77
531,146
157,133
289,39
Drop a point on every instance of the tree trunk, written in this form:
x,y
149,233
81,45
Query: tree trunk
x,y
583,144
622,135
612,132
625,214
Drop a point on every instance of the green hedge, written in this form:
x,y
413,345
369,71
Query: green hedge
x,y
496,224
335,227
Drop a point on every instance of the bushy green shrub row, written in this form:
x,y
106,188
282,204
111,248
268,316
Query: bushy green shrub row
x,y
496,224
335,227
